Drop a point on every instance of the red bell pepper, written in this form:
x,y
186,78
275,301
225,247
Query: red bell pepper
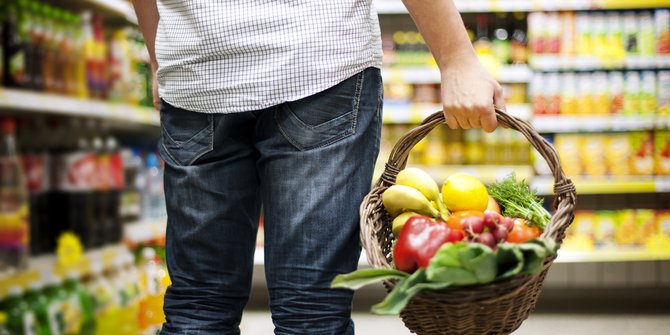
x,y
419,240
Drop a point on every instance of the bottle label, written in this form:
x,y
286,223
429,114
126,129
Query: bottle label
x,y
72,315
36,169
14,228
55,318
76,172
29,324
116,171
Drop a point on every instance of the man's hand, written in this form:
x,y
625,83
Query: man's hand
x,y
154,87
468,91
470,95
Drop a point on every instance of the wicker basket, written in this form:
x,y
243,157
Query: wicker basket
x,y
496,308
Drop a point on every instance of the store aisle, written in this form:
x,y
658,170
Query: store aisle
x,y
259,323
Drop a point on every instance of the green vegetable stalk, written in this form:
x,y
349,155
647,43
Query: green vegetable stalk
x,y
517,200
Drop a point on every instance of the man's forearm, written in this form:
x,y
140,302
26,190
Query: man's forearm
x,y
435,19
147,17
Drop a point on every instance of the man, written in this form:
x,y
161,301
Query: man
x,y
278,103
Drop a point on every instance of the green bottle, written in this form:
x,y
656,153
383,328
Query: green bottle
x,y
77,292
55,301
39,305
3,324
20,319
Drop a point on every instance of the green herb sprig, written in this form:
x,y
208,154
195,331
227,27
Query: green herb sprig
x,y
518,200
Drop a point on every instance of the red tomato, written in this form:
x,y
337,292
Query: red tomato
x,y
521,232
456,219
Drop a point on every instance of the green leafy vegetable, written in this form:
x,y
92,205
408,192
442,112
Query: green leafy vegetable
x,y
360,278
518,200
454,264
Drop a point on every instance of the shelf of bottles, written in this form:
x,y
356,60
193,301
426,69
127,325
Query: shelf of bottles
x,y
70,62
478,6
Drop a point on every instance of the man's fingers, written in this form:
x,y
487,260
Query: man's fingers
x,y
451,121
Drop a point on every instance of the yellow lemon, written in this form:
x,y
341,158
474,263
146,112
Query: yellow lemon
x,y
462,191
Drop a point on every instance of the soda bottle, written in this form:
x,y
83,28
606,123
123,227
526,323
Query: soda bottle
x,y
100,193
75,176
36,26
39,305
131,197
125,282
82,302
3,10
155,280
21,320
14,231
116,186
36,167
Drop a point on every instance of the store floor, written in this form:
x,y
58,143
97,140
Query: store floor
x,y
257,322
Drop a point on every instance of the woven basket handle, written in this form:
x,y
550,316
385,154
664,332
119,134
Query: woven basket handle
x,y
564,190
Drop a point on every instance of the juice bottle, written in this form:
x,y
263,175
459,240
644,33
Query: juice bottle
x,y
599,38
20,318
646,35
69,55
537,32
501,46
39,305
662,25
15,58
569,94
615,89
80,57
81,303
568,35
553,93
615,45
38,30
3,10
648,93
89,53
631,97
125,282
154,279
14,229
519,43
105,302
630,34
663,93
601,102
538,96
583,31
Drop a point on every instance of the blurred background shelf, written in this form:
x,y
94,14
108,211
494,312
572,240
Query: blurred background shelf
x,y
559,63
117,11
478,6
620,254
597,123
518,73
604,185
45,266
46,103
415,113
486,173
144,231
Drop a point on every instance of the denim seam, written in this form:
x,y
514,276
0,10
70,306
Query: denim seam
x,y
202,152
180,144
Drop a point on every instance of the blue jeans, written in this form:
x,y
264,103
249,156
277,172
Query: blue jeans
x,y
308,164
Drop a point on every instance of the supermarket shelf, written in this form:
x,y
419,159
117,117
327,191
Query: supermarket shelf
x,y
597,123
464,6
486,173
144,231
431,75
19,100
604,185
414,113
43,267
558,63
619,254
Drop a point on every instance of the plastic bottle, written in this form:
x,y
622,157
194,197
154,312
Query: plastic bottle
x,y
55,299
105,302
126,281
39,305
155,281
3,324
519,53
39,31
81,302
14,213
15,47
501,46
3,9
153,198
116,186
20,319
131,203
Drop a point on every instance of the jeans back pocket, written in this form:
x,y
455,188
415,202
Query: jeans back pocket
x,y
323,118
185,135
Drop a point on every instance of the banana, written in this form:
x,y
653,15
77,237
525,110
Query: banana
x,y
424,183
400,198
400,221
